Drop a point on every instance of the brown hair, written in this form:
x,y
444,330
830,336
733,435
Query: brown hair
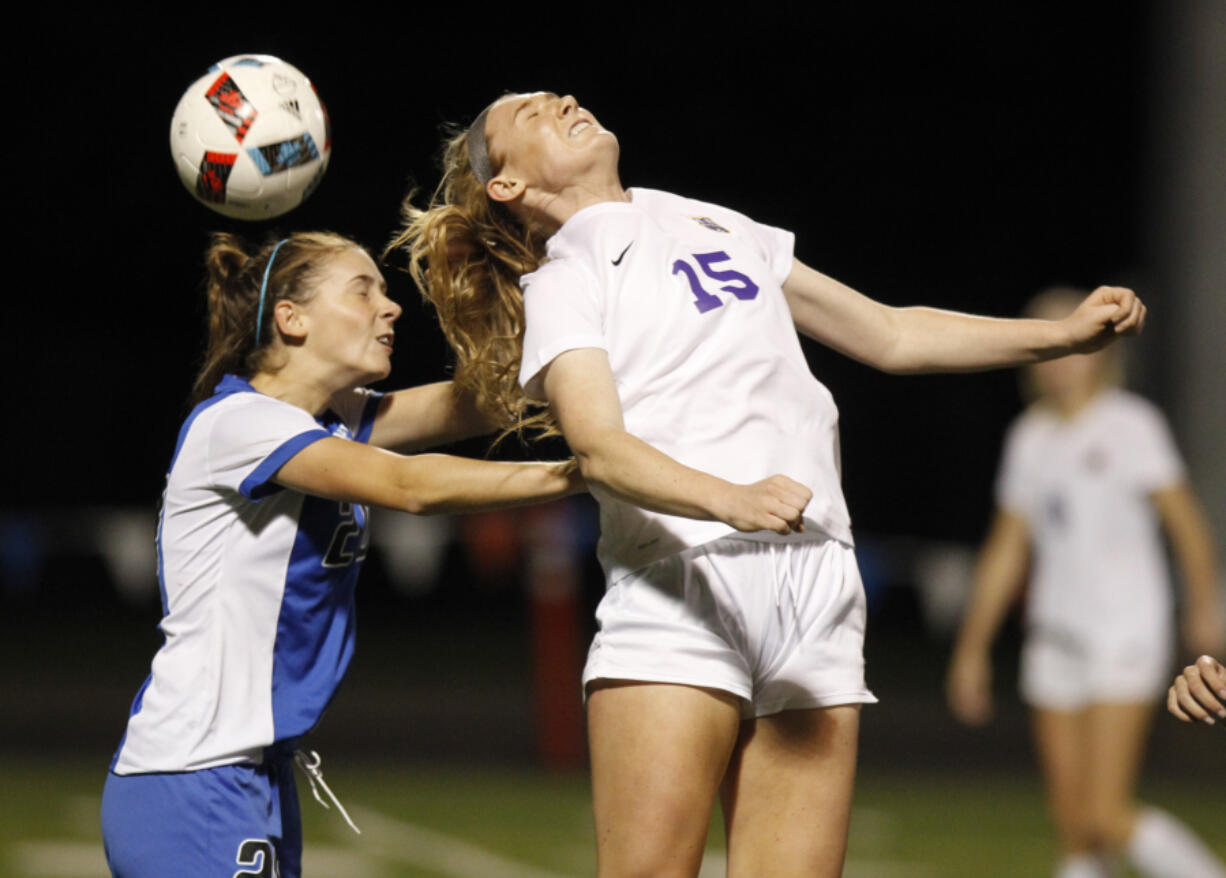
x,y
466,254
234,275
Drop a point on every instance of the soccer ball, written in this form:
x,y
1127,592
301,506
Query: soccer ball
x,y
251,138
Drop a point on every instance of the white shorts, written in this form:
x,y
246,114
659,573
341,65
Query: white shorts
x,y
778,624
1067,670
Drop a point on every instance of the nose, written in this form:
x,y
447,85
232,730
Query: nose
x,y
393,310
567,104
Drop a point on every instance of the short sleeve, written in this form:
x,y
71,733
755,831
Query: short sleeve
x,y
562,312
249,442
357,409
1014,481
1153,461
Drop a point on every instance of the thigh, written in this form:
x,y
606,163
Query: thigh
x,y
787,794
1062,745
218,821
658,754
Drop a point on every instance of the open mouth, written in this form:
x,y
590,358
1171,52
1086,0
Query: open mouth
x,y
579,126
386,340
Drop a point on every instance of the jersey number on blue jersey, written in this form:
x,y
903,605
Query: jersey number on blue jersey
x,y
349,539
258,853
732,281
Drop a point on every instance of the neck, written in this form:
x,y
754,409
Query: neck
x,y
552,210
306,391
1071,402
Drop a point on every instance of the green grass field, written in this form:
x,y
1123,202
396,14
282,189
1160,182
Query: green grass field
x,y
439,822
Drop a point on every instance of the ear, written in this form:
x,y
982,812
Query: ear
x,y
504,188
291,320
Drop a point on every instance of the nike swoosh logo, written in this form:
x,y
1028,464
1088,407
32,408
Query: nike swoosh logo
x,y
618,260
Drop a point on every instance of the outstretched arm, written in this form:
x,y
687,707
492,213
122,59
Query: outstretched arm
x,y
424,484
580,388
999,574
913,340
422,417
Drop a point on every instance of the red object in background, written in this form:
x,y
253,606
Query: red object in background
x,y
554,590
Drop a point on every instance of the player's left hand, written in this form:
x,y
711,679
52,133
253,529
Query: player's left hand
x,y
1104,315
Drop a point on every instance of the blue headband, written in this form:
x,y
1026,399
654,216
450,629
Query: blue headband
x,y
259,317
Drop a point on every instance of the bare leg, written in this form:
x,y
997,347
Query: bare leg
x,y
658,754
787,795
1116,743
1061,738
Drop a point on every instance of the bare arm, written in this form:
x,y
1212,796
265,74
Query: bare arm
x,y
422,417
913,340
999,574
1192,541
580,387
424,484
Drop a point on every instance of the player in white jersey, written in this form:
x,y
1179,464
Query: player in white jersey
x,y
660,331
1090,479
261,534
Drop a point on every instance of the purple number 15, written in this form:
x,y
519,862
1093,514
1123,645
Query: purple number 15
x,y
732,281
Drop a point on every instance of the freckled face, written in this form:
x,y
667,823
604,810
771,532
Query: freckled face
x,y
548,141
350,318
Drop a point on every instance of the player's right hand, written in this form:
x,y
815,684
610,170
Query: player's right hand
x,y
1199,693
968,688
776,503
1105,315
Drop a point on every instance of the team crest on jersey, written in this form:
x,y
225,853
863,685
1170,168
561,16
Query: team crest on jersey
x,y
1096,459
707,223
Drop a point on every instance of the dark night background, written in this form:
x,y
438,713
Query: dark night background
x,y
924,158
922,153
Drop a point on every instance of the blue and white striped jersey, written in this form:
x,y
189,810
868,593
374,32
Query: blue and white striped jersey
x,y
257,586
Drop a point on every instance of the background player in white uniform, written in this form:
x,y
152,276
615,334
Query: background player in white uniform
x,y
660,331
262,532
1089,480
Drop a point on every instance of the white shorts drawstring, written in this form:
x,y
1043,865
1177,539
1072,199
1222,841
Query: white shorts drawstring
x,y
309,761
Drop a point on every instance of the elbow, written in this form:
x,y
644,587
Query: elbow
x,y
414,494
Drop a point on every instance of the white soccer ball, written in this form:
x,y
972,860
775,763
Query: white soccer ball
x,y
251,138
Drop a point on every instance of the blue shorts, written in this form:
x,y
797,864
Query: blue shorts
x,y
227,822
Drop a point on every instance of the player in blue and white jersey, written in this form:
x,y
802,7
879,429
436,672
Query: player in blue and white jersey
x,y
260,539
661,331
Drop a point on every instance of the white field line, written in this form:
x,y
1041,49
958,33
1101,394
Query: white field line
x,y
430,849
714,865
58,859
71,859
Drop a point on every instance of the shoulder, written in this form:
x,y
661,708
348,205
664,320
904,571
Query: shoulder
x,y
1123,415
1033,422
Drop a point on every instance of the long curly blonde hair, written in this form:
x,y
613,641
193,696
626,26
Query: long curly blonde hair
x,y
466,254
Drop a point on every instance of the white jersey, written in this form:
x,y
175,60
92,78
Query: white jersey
x,y
686,299
257,586
1083,487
